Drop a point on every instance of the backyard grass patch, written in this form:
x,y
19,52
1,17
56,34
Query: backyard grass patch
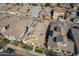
x,y
39,50
21,44
17,43
4,42
28,47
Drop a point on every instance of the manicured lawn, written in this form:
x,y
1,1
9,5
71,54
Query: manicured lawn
x,y
4,42
39,50
28,47
21,44
17,43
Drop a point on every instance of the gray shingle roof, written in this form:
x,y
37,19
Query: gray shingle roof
x,y
75,33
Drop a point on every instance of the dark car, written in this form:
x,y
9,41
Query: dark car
x,y
8,52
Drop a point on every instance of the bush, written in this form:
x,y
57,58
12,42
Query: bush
x,y
47,5
34,4
6,40
58,5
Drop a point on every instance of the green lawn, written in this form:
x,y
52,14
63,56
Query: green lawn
x,y
17,43
39,50
4,42
28,47
21,44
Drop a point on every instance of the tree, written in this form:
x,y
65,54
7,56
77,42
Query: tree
x,y
47,5
58,4
17,3
34,4
72,5
52,12
77,11
65,16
